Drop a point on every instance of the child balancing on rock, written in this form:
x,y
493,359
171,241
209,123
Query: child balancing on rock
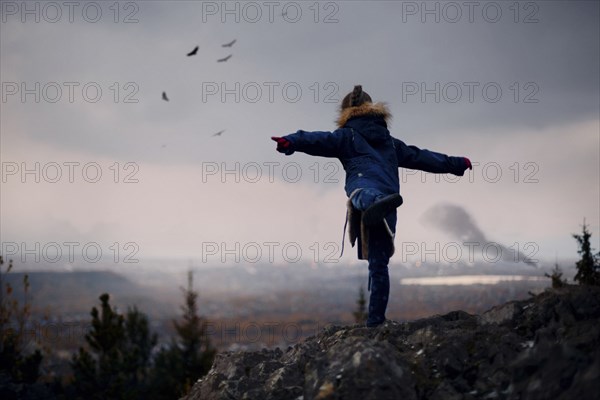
x,y
371,158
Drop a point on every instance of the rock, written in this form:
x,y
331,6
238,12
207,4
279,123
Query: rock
x,y
353,368
499,314
545,347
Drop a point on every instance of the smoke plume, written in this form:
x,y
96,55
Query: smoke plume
x,y
456,222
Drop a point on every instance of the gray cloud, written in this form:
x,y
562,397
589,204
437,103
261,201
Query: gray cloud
x,y
558,57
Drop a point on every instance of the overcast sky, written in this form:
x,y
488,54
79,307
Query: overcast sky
x,y
513,87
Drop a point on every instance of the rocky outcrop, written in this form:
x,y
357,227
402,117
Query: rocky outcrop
x,y
546,347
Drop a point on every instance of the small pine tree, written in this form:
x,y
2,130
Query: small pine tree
x,y
166,374
556,276
187,358
20,367
98,375
117,364
588,267
137,353
360,315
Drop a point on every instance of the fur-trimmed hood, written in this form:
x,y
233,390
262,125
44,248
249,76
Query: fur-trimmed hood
x,y
365,109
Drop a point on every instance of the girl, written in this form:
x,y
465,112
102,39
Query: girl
x,y
371,158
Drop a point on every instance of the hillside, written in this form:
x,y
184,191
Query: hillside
x,y
545,347
75,292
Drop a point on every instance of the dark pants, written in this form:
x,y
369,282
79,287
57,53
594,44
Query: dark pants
x,y
380,249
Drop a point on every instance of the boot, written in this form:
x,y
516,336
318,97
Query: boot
x,y
380,290
378,210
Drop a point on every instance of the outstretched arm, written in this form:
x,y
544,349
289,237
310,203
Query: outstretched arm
x,y
429,161
323,144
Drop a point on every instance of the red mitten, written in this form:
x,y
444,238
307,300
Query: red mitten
x,y
283,145
468,162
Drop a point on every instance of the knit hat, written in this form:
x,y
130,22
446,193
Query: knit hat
x,y
356,98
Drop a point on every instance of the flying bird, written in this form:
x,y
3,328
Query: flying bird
x,y
219,133
224,59
164,96
193,52
229,44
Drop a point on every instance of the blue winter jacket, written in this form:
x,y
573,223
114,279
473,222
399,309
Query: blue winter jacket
x,y
369,154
